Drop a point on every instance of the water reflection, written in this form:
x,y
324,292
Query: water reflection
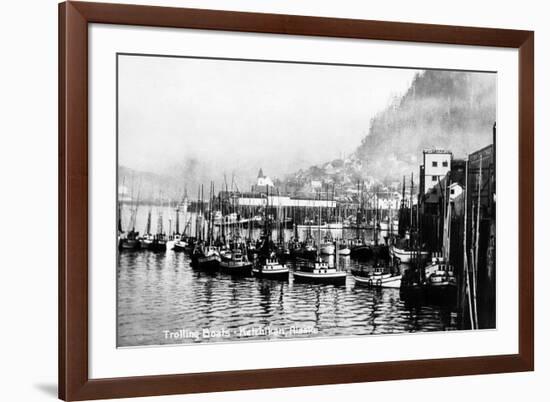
x,y
160,292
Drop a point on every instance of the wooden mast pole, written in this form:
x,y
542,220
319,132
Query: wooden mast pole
x,y
465,263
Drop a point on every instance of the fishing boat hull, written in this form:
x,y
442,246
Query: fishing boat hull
x,y
405,256
129,244
179,246
241,268
383,281
275,273
303,254
441,287
208,263
361,252
158,246
333,278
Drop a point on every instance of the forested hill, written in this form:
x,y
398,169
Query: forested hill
x,y
441,109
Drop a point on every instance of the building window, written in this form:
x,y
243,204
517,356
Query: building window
x,y
452,192
434,178
445,164
434,164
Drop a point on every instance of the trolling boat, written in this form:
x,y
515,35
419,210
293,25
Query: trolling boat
x,y
407,254
319,271
159,239
440,277
408,249
209,260
283,253
180,239
327,247
271,268
179,243
306,250
360,250
146,241
440,280
269,265
156,242
128,240
236,263
380,277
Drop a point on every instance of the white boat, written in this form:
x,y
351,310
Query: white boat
x,y
178,243
378,278
271,269
405,256
147,241
319,272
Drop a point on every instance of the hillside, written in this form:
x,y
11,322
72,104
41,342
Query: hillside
x,y
441,109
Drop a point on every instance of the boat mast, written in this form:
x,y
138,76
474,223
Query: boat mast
x,y
148,226
475,256
197,213
160,228
375,221
357,215
319,229
411,203
465,263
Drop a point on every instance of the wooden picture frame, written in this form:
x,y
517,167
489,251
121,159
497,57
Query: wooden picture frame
x,y
74,381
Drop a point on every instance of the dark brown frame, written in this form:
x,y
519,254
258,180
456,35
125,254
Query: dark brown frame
x,y
74,17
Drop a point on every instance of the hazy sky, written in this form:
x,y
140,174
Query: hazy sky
x,y
236,116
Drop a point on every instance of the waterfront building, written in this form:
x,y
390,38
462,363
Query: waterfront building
x,y
436,165
263,183
251,200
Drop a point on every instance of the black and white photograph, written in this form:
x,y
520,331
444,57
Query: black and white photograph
x,y
270,200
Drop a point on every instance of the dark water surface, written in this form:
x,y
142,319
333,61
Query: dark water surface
x,y
162,300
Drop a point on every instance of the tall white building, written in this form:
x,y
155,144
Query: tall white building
x,y
437,163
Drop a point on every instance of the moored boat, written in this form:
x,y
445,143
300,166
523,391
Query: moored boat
x,y
129,241
318,271
237,264
306,251
159,242
180,245
271,268
360,250
146,241
405,255
440,279
209,260
379,277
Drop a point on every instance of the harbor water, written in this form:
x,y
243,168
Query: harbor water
x,y
161,300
